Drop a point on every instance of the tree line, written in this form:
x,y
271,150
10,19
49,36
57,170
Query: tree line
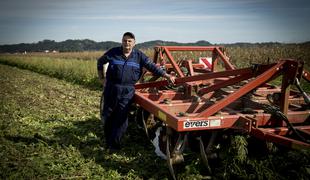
x,y
82,45
63,46
90,45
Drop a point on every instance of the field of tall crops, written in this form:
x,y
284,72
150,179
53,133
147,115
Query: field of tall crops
x,y
80,67
50,126
243,56
82,72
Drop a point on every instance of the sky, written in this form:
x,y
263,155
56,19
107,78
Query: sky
x,y
216,21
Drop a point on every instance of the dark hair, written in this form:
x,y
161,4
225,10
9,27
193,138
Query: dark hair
x,y
130,34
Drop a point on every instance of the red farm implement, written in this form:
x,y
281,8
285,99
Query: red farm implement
x,y
211,97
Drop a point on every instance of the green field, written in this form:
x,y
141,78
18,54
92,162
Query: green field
x,y
50,129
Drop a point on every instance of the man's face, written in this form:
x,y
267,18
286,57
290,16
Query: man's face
x,y
128,43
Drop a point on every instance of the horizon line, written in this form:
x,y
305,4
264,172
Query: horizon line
x,y
262,42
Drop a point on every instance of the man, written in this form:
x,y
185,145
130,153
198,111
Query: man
x,y
124,70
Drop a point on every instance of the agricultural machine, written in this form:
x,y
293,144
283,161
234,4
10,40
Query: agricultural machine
x,y
211,97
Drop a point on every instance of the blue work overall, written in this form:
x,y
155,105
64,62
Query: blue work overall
x,y
121,76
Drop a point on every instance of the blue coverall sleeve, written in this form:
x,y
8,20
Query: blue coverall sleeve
x,y
101,61
149,65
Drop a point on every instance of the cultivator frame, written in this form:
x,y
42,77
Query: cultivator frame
x,y
204,102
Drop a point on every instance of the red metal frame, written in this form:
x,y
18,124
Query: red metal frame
x,y
221,105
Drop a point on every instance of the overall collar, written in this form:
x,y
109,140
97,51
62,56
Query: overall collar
x,y
130,55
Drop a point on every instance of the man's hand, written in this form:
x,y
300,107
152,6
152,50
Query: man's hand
x,y
171,79
102,81
101,78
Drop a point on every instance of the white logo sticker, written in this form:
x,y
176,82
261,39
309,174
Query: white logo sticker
x,y
215,122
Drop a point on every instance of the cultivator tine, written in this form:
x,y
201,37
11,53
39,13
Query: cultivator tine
x,y
175,156
169,159
205,151
204,155
144,125
180,144
304,94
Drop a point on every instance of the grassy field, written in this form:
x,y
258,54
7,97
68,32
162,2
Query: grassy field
x,y
50,128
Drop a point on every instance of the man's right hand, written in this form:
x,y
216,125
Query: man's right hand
x,y
102,81
101,77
